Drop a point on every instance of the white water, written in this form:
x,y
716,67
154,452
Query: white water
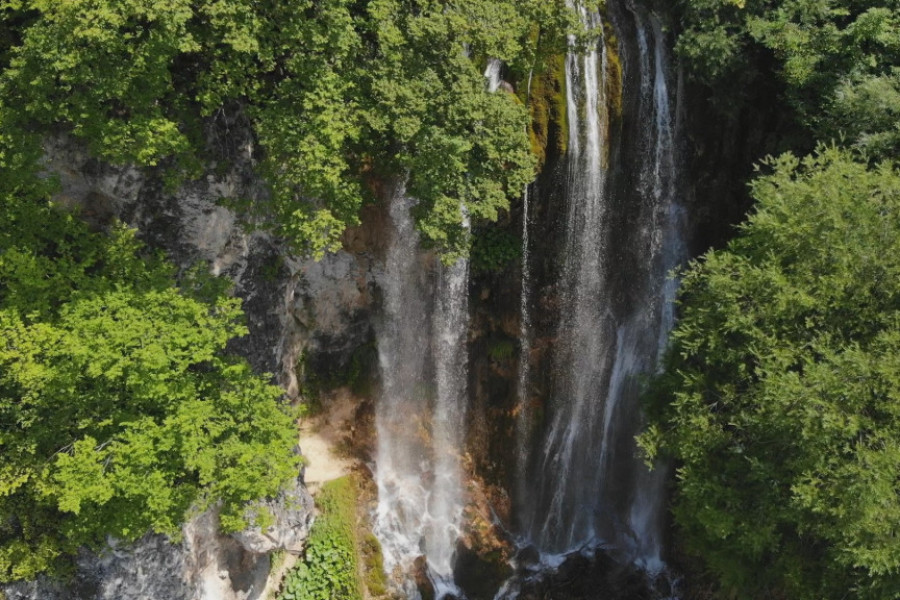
x,y
562,517
522,389
420,415
492,74
586,486
667,251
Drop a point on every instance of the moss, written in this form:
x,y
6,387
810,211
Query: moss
x,y
613,72
502,350
549,131
373,562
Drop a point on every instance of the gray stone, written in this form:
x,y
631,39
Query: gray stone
x,y
292,511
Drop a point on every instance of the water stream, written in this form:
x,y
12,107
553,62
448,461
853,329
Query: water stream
x,y
582,484
586,485
420,416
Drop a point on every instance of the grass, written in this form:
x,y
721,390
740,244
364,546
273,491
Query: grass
x,y
343,558
329,569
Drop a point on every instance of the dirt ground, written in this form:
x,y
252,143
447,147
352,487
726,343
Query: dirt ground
x,y
324,435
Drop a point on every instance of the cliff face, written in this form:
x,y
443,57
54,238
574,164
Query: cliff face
x,y
205,565
302,316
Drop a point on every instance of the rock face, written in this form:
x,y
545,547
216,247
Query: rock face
x,y
304,316
205,565
292,511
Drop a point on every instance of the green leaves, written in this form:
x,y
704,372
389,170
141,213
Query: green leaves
x,y
344,97
836,58
780,396
328,570
119,410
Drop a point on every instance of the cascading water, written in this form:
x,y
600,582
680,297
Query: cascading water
x,y
586,486
421,412
559,514
492,74
522,420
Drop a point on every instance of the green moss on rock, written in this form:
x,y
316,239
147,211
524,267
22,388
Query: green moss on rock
x,y
549,131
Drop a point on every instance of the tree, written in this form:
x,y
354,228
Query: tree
x,y
343,95
120,412
837,60
780,402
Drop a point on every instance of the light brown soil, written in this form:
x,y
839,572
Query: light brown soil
x,y
322,437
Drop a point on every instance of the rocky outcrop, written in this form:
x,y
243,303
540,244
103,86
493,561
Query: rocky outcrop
x,y
309,322
204,565
291,511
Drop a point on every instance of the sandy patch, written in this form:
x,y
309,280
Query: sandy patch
x,y
323,435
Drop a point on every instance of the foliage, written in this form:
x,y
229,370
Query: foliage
x,y
493,249
837,58
781,397
342,94
119,410
329,569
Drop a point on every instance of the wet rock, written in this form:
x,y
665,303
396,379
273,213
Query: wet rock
x,y
421,579
480,575
587,576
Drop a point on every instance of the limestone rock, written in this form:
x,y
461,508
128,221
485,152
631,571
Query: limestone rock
x,y
292,511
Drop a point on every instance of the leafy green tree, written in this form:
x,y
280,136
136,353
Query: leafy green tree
x,y
120,412
342,95
780,402
838,60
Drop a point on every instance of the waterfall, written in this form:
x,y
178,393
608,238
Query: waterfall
x,y
559,514
522,389
492,74
586,486
421,411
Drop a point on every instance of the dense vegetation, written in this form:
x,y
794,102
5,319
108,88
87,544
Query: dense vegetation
x,y
785,388
343,96
120,412
838,62
329,569
780,398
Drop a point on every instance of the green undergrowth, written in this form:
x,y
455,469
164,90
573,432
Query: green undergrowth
x,y
329,569
493,249
373,565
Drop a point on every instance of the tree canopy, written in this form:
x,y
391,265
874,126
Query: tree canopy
x,y
781,398
120,411
839,60
342,95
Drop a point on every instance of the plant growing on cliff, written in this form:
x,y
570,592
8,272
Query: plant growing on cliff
x,y
781,398
329,569
120,411
342,95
